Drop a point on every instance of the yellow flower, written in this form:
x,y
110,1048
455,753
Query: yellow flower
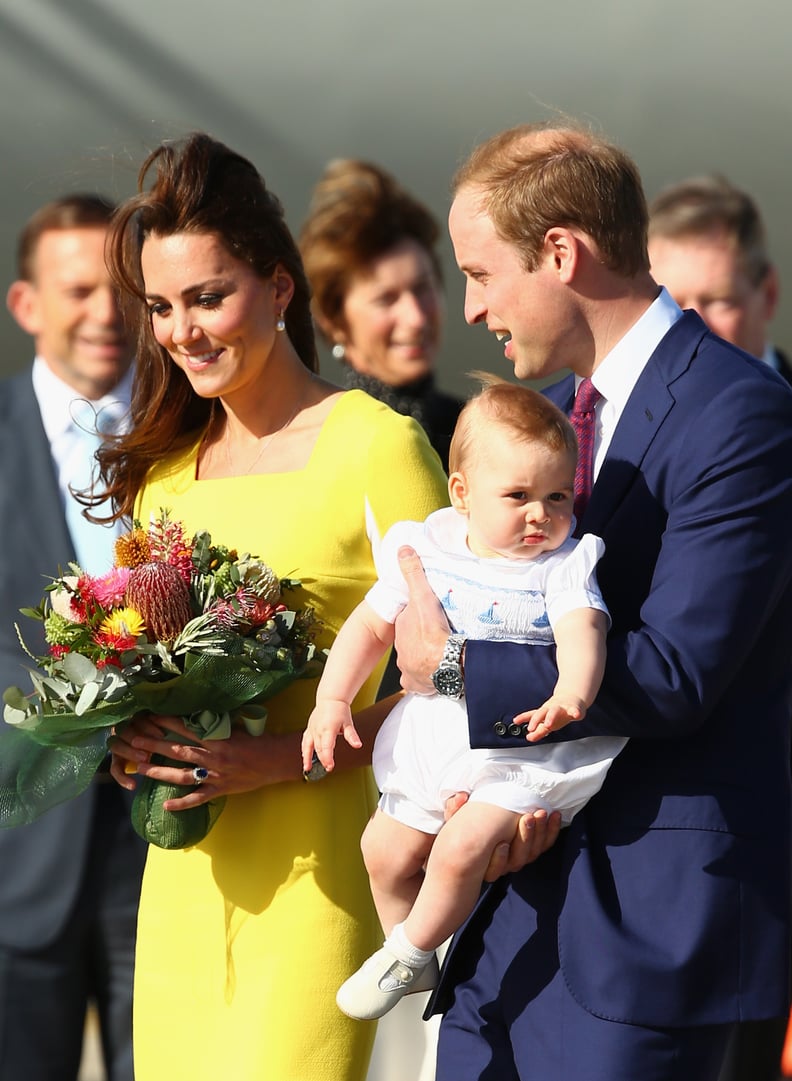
x,y
123,624
132,549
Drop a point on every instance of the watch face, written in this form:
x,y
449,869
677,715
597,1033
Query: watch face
x,y
448,681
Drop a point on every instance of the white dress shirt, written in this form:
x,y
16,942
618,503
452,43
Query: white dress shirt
x,y
64,412
618,372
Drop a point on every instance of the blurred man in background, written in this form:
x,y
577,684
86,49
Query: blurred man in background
x,y
71,879
707,246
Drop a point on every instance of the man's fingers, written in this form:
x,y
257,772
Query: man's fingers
x,y
498,864
413,573
536,832
453,803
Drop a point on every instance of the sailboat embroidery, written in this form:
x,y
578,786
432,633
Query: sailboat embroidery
x,y
490,616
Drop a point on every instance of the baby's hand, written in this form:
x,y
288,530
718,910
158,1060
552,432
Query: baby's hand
x,y
328,720
551,716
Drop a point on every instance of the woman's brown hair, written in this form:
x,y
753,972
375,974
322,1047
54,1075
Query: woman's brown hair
x,y
199,186
358,212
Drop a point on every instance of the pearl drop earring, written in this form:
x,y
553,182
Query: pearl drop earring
x,y
339,352
280,326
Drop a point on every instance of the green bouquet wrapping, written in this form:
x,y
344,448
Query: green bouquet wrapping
x,y
177,627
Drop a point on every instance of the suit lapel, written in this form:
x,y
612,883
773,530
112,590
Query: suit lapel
x,y
647,408
31,478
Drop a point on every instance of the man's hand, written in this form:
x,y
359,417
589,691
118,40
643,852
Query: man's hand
x,y
421,628
536,832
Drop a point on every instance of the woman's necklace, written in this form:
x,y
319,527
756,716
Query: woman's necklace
x,y
262,447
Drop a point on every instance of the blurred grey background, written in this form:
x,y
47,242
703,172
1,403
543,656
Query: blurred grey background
x,y
87,87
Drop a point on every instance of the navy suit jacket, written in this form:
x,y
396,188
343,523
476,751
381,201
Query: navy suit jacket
x,y
675,880
42,864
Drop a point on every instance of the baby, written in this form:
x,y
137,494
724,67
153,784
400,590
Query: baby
x,y
503,564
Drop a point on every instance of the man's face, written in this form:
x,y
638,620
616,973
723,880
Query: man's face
x,y
528,309
705,273
70,309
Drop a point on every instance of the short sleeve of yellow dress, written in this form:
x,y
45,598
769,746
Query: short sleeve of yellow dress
x,y
244,939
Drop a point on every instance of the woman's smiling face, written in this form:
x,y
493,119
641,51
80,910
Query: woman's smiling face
x,y
392,316
211,312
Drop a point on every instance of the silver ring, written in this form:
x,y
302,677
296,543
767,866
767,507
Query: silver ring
x,y
200,773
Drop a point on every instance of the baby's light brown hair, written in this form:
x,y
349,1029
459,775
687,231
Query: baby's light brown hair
x,y
526,415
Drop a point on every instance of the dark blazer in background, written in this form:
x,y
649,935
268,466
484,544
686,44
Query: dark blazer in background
x,y
58,871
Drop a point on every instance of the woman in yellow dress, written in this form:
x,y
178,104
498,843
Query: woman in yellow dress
x,y
244,939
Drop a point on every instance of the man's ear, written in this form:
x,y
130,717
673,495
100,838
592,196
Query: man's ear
x,y
22,302
457,491
562,246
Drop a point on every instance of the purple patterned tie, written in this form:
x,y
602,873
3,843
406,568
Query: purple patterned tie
x,y
583,421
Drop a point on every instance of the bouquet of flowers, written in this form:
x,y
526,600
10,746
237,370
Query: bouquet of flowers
x,y
179,626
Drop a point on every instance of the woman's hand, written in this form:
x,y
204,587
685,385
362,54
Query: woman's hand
x,y
240,763
421,628
126,760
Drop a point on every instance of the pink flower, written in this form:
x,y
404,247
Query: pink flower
x,y
109,590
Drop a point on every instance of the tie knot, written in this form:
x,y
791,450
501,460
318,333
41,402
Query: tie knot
x,y
586,398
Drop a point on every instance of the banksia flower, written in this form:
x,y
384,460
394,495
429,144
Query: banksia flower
x,y
260,579
160,594
133,549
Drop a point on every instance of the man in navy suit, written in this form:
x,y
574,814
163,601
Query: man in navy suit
x,y
630,947
70,881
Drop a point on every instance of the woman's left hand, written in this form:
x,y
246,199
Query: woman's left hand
x,y
240,763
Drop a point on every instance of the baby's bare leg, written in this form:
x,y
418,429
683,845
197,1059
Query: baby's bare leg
x,y
455,871
394,855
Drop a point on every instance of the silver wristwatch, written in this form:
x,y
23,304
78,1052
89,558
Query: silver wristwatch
x,y
447,677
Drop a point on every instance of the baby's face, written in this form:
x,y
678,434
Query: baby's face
x,y
517,497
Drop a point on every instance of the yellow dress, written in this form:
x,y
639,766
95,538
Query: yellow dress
x,y
244,939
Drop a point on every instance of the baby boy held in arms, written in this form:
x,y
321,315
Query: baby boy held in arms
x,y
504,565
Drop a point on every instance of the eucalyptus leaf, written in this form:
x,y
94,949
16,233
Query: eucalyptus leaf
x,y
15,697
78,669
88,696
12,715
64,691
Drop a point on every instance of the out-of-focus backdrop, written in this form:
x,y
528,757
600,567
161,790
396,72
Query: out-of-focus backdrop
x,y
87,87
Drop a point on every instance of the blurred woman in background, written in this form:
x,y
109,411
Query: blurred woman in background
x,y
369,250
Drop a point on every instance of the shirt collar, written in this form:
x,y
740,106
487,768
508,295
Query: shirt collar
x,y
55,398
771,357
619,371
